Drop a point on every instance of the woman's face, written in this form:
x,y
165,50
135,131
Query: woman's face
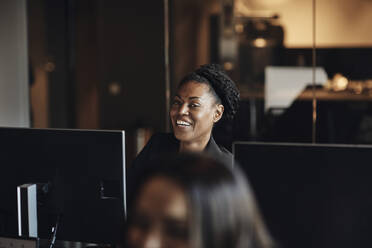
x,y
193,112
160,216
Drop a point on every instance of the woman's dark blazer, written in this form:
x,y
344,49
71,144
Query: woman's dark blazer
x,y
163,144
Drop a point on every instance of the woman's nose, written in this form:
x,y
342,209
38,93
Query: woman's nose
x,y
153,239
183,110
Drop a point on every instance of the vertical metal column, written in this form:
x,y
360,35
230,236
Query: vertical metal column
x,y
314,101
166,64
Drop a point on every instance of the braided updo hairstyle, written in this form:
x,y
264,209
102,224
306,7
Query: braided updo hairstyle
x,y
220,84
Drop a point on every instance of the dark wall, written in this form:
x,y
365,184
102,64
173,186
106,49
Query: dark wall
x,y
60,37
109,64
131,55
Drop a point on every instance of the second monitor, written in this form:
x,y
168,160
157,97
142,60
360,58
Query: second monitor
x,y
311,195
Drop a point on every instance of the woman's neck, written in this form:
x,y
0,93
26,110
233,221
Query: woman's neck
x,y
194,146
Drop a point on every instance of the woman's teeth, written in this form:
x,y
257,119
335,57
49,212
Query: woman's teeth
x,y
183,123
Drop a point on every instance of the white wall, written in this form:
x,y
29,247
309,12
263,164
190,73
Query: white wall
x,y
14,88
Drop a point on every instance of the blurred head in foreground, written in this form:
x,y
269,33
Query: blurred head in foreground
x,y
194,201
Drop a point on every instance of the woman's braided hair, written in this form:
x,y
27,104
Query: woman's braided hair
x,y
221,86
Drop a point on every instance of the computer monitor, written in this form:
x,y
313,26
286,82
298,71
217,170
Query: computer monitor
x,y
85,174
311,195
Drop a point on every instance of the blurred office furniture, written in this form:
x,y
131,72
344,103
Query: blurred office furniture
x,y
311,195
344,111
342,117
259,43
284,83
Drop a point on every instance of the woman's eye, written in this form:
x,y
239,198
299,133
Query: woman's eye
x,y
194,105
176,102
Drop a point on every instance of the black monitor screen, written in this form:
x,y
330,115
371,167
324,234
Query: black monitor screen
x,y
85,174
311,195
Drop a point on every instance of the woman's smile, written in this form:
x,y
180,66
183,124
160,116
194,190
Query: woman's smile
x,y
182,124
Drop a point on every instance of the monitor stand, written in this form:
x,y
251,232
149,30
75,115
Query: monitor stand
x,y
27,210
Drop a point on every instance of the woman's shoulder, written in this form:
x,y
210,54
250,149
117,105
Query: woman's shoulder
x,y
219,152
158,144
226,156
225,151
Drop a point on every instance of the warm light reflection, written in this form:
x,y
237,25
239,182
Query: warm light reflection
x,y
228,66
337,83
114,88
340,82
259,42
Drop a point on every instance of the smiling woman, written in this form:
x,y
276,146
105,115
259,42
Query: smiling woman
x,y
203,97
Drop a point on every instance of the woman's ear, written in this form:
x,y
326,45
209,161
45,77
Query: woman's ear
x,y
218,113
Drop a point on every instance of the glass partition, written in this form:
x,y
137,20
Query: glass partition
x,y
344,43
267,49
273,67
